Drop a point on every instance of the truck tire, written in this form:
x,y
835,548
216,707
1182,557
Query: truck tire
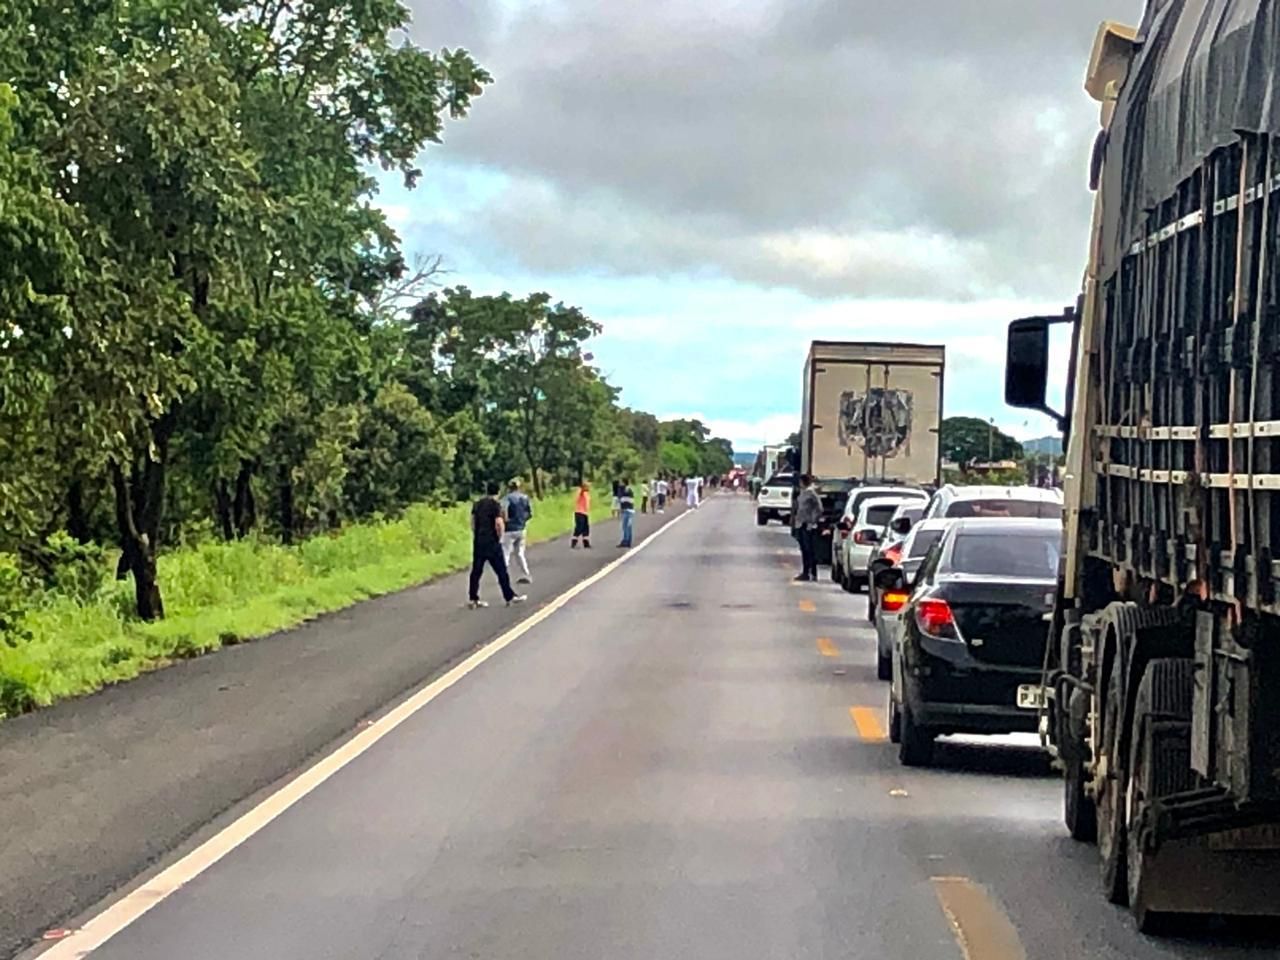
x,y
915,743
884,666
1078,811
1110,802
762,518
1160,765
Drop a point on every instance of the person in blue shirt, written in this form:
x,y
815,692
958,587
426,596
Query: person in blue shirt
x,y
518,510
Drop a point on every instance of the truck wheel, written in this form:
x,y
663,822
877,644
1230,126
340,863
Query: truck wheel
x,y
762,518
1078,811
915,743
835,572
1110,803
1160,764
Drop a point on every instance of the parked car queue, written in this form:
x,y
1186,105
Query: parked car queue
x,y
961,584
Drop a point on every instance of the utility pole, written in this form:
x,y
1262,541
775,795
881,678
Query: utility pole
x,y
991,440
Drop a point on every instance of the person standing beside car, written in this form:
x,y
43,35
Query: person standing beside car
x,y
808,517
518,511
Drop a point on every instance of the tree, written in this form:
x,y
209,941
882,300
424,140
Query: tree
x,y
215,156
968,439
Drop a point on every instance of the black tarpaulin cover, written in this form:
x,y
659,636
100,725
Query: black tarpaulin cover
x,y
1204,73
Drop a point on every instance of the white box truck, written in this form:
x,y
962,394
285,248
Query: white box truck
x,y
872,411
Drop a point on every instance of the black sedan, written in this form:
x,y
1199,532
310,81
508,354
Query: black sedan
x,y
970,650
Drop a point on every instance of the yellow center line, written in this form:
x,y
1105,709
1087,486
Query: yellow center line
x,y
827,648
981,927
806,606
867,722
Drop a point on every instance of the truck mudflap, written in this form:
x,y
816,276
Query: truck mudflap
x,y
1199,875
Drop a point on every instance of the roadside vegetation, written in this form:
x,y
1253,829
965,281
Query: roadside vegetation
x,y
222,381
82,633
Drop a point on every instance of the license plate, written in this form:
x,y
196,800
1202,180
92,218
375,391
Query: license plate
x,y
1263,837
1030,697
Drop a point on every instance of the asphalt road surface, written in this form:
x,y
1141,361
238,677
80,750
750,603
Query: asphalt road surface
x,y
686,760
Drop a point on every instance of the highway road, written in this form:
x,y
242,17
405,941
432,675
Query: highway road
x,y
684,760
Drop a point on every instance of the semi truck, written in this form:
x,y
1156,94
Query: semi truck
x,y
1161,693
872,412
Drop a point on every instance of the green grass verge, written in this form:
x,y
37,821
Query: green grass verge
x,y
224,593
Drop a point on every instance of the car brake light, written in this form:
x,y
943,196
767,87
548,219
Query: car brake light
x,y
934,617
894,554
862,538
893,601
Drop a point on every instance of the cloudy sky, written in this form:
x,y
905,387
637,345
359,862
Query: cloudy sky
x,y
720,182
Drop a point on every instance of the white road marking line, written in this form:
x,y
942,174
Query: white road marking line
x,y
115,918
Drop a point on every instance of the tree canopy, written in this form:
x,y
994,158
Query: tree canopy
x,y
206,323
968,439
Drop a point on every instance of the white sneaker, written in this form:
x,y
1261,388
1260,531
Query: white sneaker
x,y
477,605
518,598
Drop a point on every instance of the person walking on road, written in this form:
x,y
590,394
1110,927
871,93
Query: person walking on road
x,y
808,516
582,518
691,488
627,504
517,509
662,487
487,528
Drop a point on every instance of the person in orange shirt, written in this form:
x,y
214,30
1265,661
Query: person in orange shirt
x,y
582,517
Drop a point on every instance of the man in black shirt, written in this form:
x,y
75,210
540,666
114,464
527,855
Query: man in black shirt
x,y
486,547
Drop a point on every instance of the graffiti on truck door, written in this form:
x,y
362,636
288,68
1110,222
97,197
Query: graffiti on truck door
x,y
876,421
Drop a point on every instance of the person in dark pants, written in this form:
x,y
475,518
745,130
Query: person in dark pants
x,y
487,527
808,516
582,518
627,504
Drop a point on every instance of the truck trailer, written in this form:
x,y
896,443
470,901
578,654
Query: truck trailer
x,y
1162,677
872,412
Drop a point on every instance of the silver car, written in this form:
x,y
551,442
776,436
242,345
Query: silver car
x,y
888,611
856,536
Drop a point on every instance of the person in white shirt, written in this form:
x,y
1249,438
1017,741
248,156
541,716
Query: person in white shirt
x,y
663,488
693,488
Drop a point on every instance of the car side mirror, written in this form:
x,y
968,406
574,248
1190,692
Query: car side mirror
x,y
891,578
901,526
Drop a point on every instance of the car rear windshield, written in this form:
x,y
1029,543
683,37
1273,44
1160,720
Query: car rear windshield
x,y
880,516
834,486
922,541
779,480
1006,507
912,511
1007,555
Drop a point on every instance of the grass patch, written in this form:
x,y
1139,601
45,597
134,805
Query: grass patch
x,y
218,594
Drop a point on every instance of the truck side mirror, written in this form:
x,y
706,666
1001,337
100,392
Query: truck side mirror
x,y
1026,371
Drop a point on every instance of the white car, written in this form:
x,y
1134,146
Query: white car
x,y
888,612
859,531
774,502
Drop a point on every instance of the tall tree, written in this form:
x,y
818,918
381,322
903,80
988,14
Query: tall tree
x,y
968,439
216,154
